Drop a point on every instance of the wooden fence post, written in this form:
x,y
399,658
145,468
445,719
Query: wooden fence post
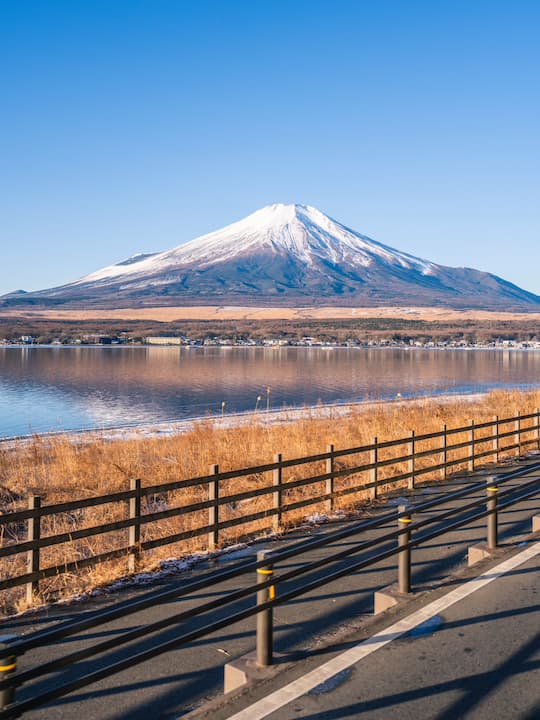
x,y
32,556
330,465
135,529
495,436
472,447
374,473
517,436
412,464
444,454
277,481
213,510
537,411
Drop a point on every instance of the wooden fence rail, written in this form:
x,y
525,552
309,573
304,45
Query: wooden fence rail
x,y
404,460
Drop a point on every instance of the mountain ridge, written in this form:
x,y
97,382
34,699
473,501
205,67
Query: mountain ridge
x,y
284,254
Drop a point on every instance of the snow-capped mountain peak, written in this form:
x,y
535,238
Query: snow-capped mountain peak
x,y
302,231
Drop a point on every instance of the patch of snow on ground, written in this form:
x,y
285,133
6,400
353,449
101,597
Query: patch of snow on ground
x,y
317,518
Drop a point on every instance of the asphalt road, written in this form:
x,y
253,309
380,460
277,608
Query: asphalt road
x,y
478,659
180,680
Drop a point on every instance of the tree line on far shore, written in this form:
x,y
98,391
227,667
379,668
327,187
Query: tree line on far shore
x,y
341,331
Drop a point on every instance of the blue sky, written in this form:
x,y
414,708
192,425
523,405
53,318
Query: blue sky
x,y
131,126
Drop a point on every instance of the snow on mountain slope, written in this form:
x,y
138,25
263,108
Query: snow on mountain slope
x,y
299,230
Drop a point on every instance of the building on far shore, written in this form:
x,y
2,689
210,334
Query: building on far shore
x,y
165,340
95,339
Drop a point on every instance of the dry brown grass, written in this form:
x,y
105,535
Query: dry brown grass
x,y
67,468
227,312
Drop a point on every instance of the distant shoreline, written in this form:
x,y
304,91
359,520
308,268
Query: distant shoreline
x,y
372,345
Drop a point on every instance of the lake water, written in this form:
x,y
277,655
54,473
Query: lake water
x,y
68,388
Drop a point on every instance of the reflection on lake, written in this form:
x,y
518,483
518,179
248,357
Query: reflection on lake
x,y
68,388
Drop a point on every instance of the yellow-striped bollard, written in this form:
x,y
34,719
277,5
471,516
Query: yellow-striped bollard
x,y
8,667
265,640
491,507
404,556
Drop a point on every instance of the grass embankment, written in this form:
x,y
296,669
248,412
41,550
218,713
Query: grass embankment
x,y
67,468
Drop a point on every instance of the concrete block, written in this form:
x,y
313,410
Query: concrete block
x,y
480,552
244,669
237,672
388,597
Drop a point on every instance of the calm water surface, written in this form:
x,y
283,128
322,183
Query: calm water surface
x,y
57,388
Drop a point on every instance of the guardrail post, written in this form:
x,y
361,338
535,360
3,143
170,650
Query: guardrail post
x,y
277,481
265,640
491,507
374,473
330,465
537,413
213,510
32,556
8,667
495,434
135,529
412,464
444,453
472,448
404,556
517,436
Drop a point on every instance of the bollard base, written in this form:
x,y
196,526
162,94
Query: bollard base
x,y
388,597
536,523
244,669
480,552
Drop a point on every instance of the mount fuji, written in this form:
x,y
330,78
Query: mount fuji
x,y
283,255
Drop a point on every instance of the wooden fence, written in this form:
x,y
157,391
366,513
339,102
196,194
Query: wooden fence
x,y
329,481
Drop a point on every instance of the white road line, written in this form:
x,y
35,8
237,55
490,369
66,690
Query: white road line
x,y
292,691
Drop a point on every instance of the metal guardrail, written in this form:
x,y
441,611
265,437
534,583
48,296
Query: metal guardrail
x,y
483,440
401,541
